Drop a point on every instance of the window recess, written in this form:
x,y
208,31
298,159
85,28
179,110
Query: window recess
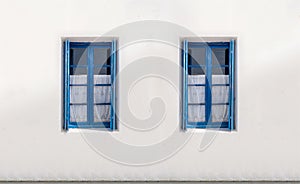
x,y
89,80
208,85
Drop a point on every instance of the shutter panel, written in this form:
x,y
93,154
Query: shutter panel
x,y
113,85
184,86
232,85
66,85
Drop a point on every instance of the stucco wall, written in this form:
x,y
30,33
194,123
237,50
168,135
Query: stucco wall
x,y
264,146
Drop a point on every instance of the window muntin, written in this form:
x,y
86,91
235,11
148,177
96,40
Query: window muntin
x,y
208,85
90,70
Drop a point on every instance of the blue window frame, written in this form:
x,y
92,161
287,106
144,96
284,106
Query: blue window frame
x,y
208,96
89,85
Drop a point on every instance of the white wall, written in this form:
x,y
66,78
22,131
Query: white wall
x,y
265,145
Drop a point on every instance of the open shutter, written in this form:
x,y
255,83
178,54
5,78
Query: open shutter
x,y
184,85
67,85
113,85
232,86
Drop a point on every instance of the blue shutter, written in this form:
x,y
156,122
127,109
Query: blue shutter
x,y
113,85
208,86
90,87
184,86
66,85
232,86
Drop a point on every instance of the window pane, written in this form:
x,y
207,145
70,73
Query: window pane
x,y
102,56
101,113
102,94
220,71
196,94
102,79
196,79
220,56
78,113
78,94
197,56
219,113
78,79
220,94
102,71
196,113
220,79
196,71
78,56
78,71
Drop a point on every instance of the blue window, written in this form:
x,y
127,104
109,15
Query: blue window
x,y
89,85
208,97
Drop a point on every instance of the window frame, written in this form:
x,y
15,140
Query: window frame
x,y
90,46
230,124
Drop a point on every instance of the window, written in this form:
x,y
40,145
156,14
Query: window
x,y
208,85
89,93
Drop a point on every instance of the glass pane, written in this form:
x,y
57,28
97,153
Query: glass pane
x,y
197,56
220,56
220,94
78,94
101,113
196,79
196,94
102,79
196,71
102,71
196,113
219,113
78,79
220,79
102,56
78,56
78,71
102,94
78,113
220,71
